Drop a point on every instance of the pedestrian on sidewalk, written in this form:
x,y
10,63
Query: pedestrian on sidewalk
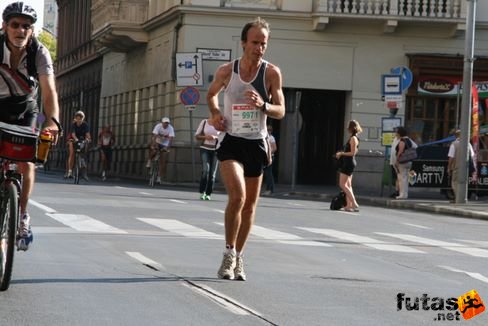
x,y
348,164
208,135
452,169
403,168
106,141
393,168
252,86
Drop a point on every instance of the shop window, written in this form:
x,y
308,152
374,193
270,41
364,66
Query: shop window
x,y
430,118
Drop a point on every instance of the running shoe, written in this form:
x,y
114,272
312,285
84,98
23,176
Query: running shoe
x,y
207,197
239,274
226,270
203,196
25,236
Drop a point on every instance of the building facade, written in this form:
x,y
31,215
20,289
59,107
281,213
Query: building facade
x,y
51,16
78,69
331,52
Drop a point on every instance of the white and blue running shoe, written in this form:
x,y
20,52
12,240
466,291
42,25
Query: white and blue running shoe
x,y
25,236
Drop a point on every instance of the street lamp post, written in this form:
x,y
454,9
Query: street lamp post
x,y
462,157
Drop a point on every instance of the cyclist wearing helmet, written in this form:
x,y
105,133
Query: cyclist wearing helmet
x,y
162,136
80,130
19,89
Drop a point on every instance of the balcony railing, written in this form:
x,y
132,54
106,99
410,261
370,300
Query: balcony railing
x,y
402,8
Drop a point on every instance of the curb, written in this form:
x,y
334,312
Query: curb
x,y
442,209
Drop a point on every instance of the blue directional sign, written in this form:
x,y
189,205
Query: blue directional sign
x,y
407,76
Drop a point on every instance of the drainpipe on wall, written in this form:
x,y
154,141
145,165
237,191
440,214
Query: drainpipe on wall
x,y
175,45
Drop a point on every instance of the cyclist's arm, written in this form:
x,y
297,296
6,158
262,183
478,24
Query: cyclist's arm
x,y
49,100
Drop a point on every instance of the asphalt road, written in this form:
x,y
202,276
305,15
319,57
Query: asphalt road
x,y
126,254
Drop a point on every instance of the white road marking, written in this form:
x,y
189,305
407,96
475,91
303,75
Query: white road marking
x,y
476,252
369,242
180,228
476,242
143,259
85,223
417,226
295,204
219,211
41,206
145,193
282,237
474,275
178,201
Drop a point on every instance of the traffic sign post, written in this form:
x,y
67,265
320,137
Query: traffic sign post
x,y
190,96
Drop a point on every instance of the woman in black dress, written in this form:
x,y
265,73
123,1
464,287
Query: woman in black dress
x,y
346,168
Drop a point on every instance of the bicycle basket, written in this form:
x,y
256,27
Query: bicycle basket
x,y
18,143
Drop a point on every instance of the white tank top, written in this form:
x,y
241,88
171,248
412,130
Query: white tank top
x,y
243,120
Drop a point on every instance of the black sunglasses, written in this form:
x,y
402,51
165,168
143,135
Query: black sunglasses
x,y
16,25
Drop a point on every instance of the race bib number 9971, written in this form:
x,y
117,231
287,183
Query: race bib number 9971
x,y
245,119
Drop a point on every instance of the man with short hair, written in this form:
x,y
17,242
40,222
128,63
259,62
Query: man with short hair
x,y
26,65
252,91
161,139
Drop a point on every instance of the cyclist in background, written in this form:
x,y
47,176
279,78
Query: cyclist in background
x,y
19,88
80,130
161,139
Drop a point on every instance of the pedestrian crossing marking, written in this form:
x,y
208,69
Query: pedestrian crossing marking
x,y
474,275
41,206
476,252
85,223
417,226
180,228
283,237
178,201
143,259
367,241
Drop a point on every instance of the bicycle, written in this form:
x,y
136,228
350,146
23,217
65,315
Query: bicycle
x,y
10,185
80,160
154,168
17,143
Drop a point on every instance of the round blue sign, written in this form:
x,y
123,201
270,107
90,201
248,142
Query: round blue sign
x,y
407,76
190,96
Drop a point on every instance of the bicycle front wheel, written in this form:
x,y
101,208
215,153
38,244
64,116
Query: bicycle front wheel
x,y
77,169
8,228
153,173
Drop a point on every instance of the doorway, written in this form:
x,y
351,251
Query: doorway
x,y
320,136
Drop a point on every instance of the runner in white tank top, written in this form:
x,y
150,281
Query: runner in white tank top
x,y
253,91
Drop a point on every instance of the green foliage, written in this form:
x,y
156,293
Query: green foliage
x,y
49,42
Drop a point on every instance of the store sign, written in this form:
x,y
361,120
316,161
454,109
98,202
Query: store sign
x,y
448,86
438,86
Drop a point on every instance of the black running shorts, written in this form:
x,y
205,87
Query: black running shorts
x,y
251,153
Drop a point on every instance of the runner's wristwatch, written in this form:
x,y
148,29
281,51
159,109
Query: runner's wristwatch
x,y
264,107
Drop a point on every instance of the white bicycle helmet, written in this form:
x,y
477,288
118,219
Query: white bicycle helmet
x,y
19,9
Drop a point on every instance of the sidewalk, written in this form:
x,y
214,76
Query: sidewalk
x,y
429,200
426,200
